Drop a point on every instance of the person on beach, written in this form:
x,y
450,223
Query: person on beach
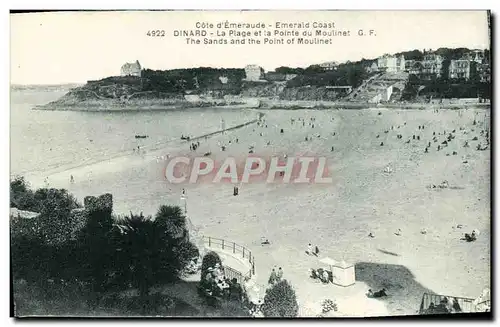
x,y
309,249
325,277
273,277
279,274
71,179
264,241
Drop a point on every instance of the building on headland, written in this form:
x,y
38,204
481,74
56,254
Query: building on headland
x,y
461,69
223,79
372,68
391,64
432,66
254,73
331,65
481,63
484,72
131,69
416,68
477,56
409,64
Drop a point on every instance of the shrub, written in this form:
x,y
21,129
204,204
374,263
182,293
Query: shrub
x,y
280,301
209,260
328,305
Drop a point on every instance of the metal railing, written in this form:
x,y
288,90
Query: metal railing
x,y
231,273
235,248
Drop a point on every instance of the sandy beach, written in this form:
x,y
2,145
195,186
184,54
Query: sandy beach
x,y
336,217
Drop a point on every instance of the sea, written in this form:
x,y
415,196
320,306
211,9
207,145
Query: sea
x,y
47,147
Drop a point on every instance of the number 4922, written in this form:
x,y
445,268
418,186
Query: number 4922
x,y
156,33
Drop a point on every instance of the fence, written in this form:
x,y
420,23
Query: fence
x,y
245,253
466,304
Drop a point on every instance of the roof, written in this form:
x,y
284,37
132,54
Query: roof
x,y
331,262
129,65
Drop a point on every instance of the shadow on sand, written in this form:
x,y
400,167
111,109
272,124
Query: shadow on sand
x,y
404,292
388,252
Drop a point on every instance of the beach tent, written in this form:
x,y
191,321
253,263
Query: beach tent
x,y
343,274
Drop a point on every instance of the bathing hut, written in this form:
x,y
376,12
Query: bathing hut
x,y
343,274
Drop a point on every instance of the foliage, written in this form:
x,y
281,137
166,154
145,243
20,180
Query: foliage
x,y
72,299
280,301
288,70
171,219
203,78
152,251
209,260
448,89
347,74
86,244
328,305
96,247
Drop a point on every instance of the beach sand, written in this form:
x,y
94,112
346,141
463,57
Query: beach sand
x,y
336,217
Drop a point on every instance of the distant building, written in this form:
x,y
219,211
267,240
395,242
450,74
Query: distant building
x,y
409,64
254,73
484,72
372,68
460,69
223,79
477,56
391,64
416,68
131,69
331,65
432,66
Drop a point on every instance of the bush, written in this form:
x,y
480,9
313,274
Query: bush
x,y
209,260
280,301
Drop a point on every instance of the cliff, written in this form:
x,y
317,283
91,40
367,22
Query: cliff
x,y
204,86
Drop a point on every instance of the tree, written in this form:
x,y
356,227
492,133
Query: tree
x,y
209,261
149,252
171,219
95,241
21,196
280,301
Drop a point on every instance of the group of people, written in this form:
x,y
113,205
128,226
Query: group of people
x,y
322,274
194,145
377,294
193,266
446,305
216,284
275,276
312,250
472,236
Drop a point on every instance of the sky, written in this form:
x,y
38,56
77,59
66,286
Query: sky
x,y
73,47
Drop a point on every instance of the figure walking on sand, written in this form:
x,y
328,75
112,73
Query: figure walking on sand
x,y
279,275
71,179
273,277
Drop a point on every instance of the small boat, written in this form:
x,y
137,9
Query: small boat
x,y
141,136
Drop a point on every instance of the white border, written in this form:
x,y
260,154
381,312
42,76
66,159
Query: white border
x,y
185,4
